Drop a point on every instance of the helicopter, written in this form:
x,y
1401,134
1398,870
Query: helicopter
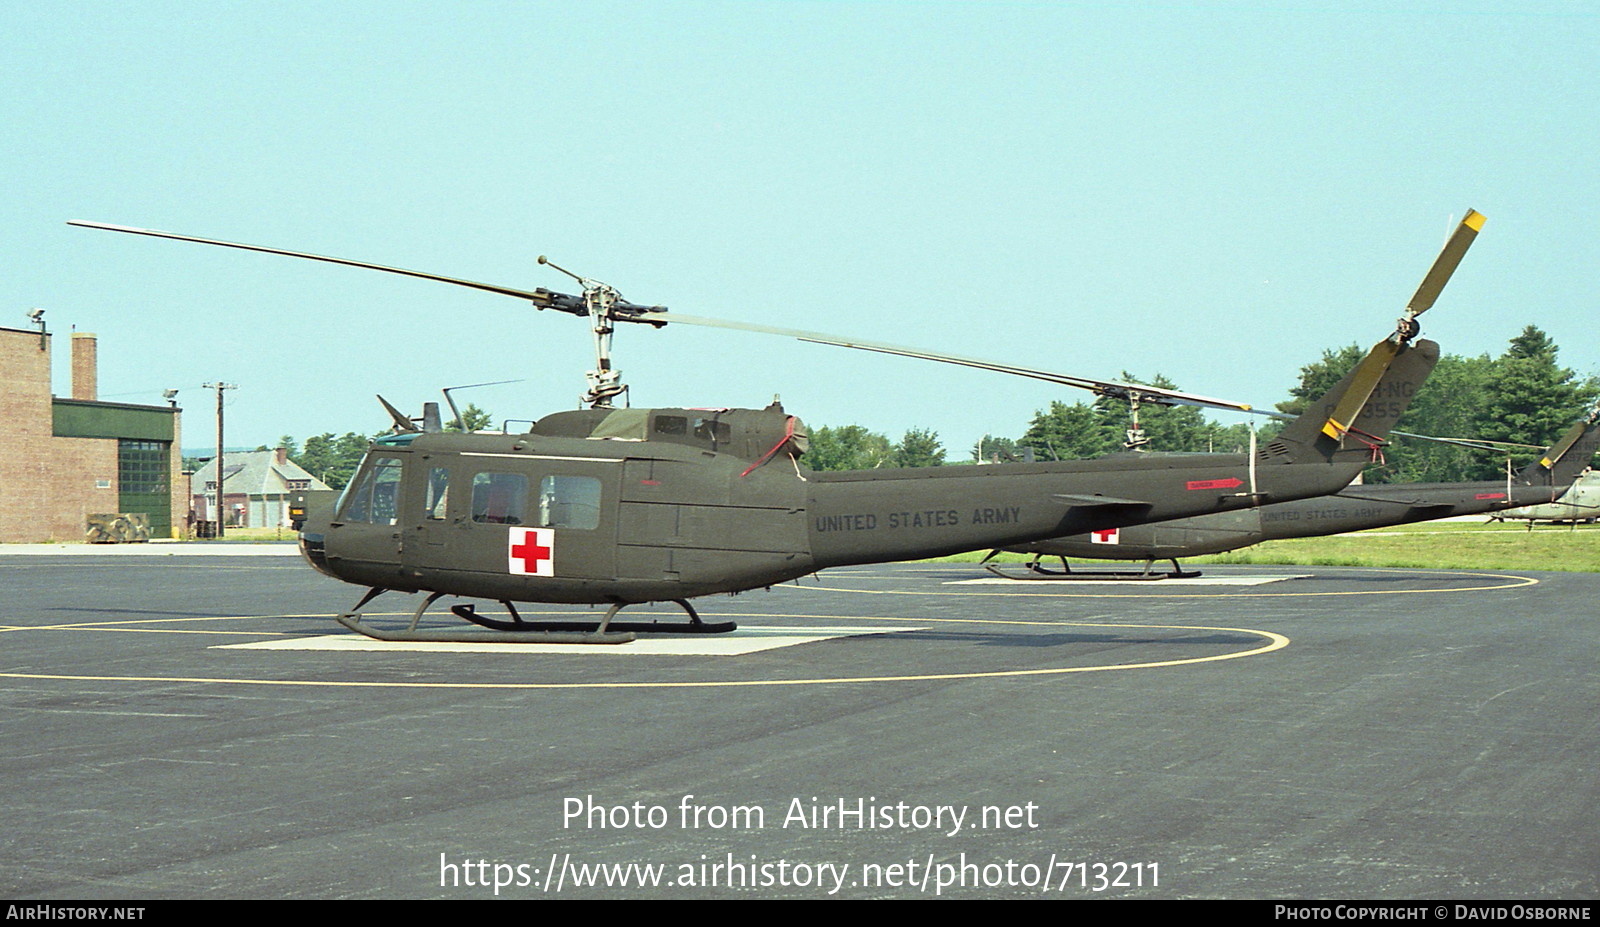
x,y
1354,508
1578,505
618,506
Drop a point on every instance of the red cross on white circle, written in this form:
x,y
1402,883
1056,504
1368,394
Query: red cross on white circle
x,y
532,551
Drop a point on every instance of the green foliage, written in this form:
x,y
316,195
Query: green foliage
x,y
1173,429
1438,545
848,447
476,420
1078,431
1527,398
1317,377
919,448
1064,432
333,459
1446,407
1523,396
991,449
1235,438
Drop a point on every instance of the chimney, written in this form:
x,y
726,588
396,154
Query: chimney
x,y
282,455
85,379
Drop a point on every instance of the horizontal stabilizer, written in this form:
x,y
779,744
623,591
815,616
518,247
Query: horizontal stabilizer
x,y
1098,502
1432,506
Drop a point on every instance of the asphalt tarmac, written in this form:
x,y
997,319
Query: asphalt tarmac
x,y
902,731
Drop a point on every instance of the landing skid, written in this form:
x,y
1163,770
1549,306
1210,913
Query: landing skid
x,y
517,631
516,625
1034,570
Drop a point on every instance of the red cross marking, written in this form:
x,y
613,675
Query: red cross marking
x,y
1105,536
532,551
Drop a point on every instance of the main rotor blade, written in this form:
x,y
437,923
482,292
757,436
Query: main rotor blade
x,y
1445,264
1103,387
543,298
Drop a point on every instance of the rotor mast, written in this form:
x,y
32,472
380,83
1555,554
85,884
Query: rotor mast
x,y
601,300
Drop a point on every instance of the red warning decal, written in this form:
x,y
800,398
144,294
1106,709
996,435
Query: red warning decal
x,y
1229,483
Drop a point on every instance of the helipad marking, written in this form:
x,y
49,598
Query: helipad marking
x,y
748,639
1077,581
1274,641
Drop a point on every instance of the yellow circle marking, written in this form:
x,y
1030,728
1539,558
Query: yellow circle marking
x,y
1513,582
1274,642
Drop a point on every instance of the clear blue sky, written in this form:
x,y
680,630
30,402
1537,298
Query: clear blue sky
x,y
1217,192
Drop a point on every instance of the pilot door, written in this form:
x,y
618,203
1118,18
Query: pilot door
x,y
365,538
513,515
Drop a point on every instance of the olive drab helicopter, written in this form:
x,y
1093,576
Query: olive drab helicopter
x,y
620,506
1354,508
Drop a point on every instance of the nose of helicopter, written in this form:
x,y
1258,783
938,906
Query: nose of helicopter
x,y
313,548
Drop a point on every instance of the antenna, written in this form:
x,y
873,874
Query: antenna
x,y
461,423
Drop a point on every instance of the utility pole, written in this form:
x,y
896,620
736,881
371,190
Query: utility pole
x,y
219,386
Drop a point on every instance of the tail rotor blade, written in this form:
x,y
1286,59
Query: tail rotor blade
x,y
1377,361
1367,376
1445,264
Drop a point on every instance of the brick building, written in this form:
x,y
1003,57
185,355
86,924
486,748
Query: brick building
x,y
64,459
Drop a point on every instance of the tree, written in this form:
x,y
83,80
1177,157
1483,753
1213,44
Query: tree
x,y
1527,398
1521,396
919,448
1448,406
1173,429
1317,377
991,449
848,447
333,459
1073,432
1235,439
1532,344
475,418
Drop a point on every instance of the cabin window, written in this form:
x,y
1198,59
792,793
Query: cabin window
x,y
671,425
437,497
373,496
712,432
569,502
500,498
